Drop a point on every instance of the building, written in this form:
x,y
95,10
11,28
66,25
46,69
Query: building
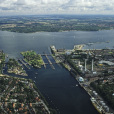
x,y
81,79
106,62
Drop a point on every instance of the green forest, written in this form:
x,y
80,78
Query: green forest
x,y
56,23
33,58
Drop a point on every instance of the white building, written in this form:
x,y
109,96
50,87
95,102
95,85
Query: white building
x,y
106,62
81,79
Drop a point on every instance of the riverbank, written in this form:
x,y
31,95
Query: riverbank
x,y
73,62
27,99
89,90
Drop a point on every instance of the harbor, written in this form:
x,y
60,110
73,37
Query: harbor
x,y
48,60
24,63
86,74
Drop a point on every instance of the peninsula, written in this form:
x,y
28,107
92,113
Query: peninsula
x,y
15,67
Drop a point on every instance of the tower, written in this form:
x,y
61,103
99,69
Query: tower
x,y
85,64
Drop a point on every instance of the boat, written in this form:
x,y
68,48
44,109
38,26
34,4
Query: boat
x,y
76,84
96,105
90,43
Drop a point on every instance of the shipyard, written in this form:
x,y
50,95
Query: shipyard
x,y
94,71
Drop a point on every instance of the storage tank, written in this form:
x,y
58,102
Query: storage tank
x,y
106,108
95,93
101,102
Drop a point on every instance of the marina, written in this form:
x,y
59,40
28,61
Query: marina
x,y
25,64
49,61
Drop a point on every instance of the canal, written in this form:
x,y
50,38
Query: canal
x,y
57,86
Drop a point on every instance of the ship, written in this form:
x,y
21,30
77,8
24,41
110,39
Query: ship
x,y
97,106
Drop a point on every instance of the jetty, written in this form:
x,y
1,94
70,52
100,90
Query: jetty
x,y
43,62
46,54
25,64
49,61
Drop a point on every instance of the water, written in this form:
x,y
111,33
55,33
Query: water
x,y
13,43
58,86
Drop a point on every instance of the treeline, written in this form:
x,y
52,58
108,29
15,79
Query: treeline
x,y
74,69
39,28
106,91
28,24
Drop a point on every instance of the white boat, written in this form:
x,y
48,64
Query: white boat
x,y
76,84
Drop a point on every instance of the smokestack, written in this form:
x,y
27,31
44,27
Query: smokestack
x,y
85,64
92,64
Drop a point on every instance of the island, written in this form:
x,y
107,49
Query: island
x,y
94,71
32,58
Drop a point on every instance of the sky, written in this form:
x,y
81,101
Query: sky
x,y
35,7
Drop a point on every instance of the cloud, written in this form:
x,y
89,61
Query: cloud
x,y
57,6
5,8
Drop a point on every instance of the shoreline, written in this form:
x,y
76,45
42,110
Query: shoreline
x,y
95,104
84,84
58,31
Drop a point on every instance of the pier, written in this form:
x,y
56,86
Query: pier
x,y
46,54
25,64
49,61
43,62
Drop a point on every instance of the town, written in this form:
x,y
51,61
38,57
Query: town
x,y
19,95
94,70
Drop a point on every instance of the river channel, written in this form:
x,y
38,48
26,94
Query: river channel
x,y
57,86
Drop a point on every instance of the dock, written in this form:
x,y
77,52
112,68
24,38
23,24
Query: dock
x,y
46,54
49,61
25,64
43,62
